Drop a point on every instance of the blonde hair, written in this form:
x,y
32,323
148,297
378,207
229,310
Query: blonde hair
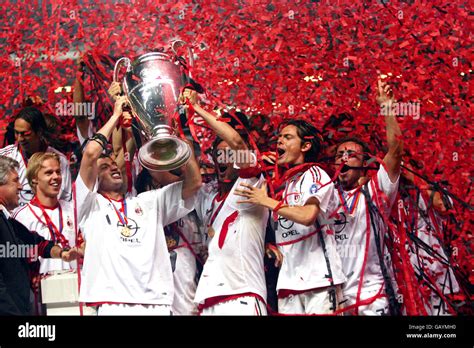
x,y
35,163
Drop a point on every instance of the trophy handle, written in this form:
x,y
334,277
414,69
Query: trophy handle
x,y
118,66
190,52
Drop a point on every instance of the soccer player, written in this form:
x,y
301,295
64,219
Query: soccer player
x,y
359,225
52,218
185,241
422,211
30,135
127,270
310,278
233,278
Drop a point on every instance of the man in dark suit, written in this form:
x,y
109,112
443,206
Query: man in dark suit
x,y
17,244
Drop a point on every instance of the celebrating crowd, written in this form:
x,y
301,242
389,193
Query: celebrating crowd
x,y
340,235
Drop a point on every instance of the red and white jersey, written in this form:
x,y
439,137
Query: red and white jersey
x,y
236,251
310,259
429,230
128,264
26,194
350,228
62,216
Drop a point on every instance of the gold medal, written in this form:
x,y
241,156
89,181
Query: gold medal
x,y
211,232
125,231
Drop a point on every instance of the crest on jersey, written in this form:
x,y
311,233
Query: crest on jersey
x,y
313,189
69,222
138,210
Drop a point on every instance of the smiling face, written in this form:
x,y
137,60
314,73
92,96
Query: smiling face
x,y
110,177
290,147
48,180
350,153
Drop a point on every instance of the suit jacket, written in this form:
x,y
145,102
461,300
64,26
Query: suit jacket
x,y
14,266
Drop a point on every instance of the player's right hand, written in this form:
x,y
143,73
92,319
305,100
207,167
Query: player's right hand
x,y
115,90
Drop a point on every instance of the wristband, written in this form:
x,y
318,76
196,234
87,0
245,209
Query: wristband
x,y
278,207
100,139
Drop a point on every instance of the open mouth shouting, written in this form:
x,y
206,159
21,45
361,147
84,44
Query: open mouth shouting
x,y
116,175
281,153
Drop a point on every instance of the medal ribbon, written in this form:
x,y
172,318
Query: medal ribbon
x,y
122,219
56,234
355,200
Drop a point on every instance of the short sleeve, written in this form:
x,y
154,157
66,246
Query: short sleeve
x,y
85,199
386,185
318,184
169,202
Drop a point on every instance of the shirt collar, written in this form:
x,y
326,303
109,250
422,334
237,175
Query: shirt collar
x,y
5,211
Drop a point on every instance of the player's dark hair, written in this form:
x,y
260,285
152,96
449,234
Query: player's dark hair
x,y
34,117
308,134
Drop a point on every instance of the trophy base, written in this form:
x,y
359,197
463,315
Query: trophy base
x,y
164,153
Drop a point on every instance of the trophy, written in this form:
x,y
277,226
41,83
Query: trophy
x,y
152,83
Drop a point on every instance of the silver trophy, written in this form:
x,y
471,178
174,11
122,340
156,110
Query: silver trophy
x,y
152,84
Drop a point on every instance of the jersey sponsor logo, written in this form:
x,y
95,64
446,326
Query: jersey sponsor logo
x,y
313,189
26,196
290,234
128,231
285,223
339,225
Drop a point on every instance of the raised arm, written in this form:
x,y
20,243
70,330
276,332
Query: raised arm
x,y
93,149
222,129
122,156
393,158
192,176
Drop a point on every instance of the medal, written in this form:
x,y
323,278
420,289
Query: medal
x,y
125,231
211,232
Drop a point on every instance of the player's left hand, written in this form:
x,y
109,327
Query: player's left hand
x,y
253,194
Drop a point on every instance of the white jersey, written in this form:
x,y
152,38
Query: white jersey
x,y
184,240
32,217
310,259
128,264
350,228
26,194
428,230
236,251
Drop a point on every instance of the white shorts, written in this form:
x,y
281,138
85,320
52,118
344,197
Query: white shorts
x,y
245,305
318,301
133,309
378,307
